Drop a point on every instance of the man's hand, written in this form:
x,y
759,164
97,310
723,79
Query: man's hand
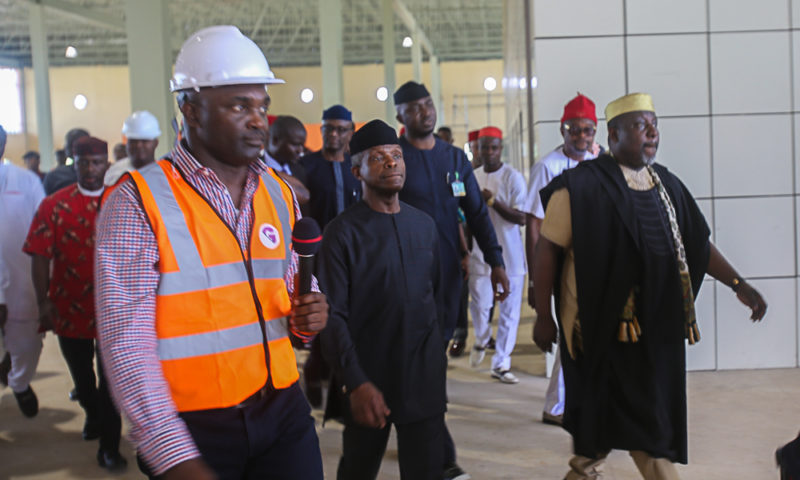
x,y
47,314
486,194
309,313
544,332
368,407
750,297
194,469
465,266
531,297
499,276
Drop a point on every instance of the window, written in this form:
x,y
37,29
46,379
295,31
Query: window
x,y
10,100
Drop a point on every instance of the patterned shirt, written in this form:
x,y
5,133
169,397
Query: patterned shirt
x,y
127,279
63,231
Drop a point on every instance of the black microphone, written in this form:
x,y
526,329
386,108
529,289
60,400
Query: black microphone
x,y
306,238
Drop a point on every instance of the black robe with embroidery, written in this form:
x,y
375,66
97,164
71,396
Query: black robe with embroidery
x,y
629,396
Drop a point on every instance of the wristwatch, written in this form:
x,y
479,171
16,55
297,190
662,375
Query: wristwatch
x,y
736,283
490,202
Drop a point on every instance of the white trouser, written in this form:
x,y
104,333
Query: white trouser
x,y
554,399
24,344
480,290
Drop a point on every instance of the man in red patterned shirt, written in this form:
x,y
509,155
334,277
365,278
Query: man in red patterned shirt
x,y
62,235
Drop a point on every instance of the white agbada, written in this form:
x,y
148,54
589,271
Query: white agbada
x,y
508,187
20,194
542,172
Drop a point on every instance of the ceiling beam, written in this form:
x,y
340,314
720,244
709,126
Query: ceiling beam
x,y
83,14
411,24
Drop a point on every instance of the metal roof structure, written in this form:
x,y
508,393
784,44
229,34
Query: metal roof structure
x,y
287,30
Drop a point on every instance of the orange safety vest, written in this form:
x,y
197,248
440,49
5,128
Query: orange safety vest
x,y
213,297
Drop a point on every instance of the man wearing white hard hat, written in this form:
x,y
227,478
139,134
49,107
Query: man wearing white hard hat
x,y
195,294
142,131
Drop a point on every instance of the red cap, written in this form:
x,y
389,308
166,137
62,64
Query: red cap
x,y
472,136
490,132
271,119
579,107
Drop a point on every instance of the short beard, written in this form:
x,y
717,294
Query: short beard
x,y
648,161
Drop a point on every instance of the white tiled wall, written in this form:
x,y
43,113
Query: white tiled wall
x,y
658,16
750,72
727,15
685,148
556,18
752,155
673,69
725,79
574,62
770,343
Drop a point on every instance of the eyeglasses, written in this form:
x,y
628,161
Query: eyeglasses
x,y
327,129
575,131
641,125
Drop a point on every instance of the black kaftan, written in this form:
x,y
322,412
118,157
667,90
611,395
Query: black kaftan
x,y
380,273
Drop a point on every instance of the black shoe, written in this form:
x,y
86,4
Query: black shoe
x,y
5,368
91,429
457,347
73,395
28,402
490,343
111,461
454,472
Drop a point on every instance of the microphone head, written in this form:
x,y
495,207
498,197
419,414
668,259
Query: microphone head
x,y
306,237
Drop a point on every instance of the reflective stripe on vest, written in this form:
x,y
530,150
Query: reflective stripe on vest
x,y
192,274
212,296
211,342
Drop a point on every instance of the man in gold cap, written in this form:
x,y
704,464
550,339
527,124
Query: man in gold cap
x,y
627,234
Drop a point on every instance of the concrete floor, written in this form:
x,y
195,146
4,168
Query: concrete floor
x,y
736,420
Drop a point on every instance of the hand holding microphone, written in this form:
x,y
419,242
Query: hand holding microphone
x,y
309,309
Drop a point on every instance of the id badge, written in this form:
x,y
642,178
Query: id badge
x,y
458,189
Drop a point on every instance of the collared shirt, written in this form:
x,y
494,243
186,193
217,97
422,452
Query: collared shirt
x,y
126,281
276,165
542,172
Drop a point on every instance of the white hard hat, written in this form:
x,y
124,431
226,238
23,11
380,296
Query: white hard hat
x,y
141,125
217,56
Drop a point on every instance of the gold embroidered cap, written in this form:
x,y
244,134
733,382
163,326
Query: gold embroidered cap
x,y
633,102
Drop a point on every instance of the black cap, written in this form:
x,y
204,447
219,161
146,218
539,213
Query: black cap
x,y
337,112
410,91
374,133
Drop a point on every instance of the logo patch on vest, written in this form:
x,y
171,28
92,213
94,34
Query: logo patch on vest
x,y
269,236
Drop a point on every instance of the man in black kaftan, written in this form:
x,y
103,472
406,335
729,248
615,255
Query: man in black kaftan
x,y
380,271
626,249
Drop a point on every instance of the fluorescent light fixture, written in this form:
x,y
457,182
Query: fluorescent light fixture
x,y
489,84
80,101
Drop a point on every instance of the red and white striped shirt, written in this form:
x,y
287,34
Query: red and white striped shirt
x,y
126,280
